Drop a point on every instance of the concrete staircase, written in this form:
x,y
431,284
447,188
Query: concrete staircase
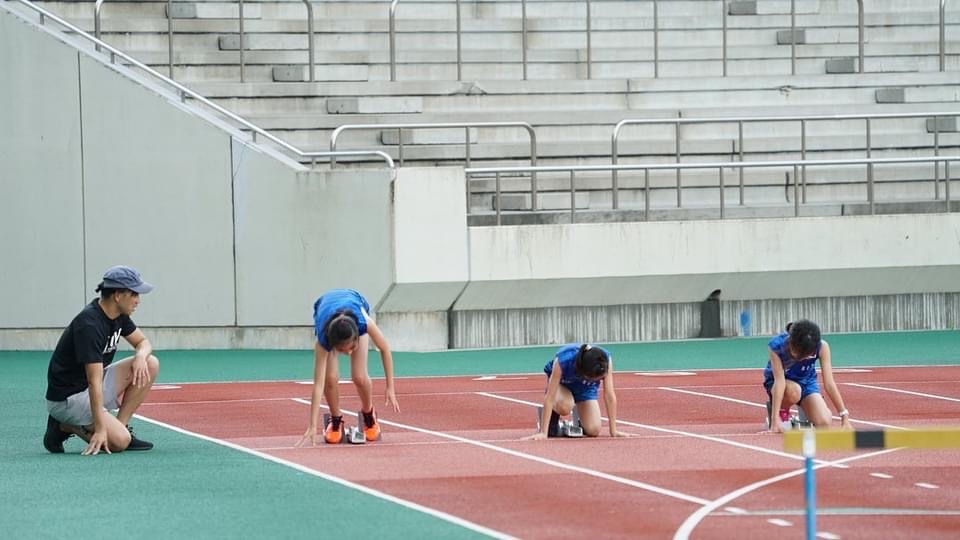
x,y
574,116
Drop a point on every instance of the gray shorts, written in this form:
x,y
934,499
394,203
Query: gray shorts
x,y
75,410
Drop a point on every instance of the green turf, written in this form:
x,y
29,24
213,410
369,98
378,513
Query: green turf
x,y
190,488
184,488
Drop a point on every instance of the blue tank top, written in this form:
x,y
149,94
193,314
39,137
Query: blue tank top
x,y
793,369
326,307
567,356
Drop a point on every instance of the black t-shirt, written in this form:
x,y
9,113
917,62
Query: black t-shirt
x,y
90,337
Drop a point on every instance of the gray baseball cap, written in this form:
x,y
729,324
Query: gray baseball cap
x,y
124,277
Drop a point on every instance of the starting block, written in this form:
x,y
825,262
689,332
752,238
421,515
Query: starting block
x,y
798,420
351,434
354,435
565,428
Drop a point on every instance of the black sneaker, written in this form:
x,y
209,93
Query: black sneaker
x,y
553,428
137,444
53,438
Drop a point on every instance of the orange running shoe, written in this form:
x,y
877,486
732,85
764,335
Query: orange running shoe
x,y
333,432
371,428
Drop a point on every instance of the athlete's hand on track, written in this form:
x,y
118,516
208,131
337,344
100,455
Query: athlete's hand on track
x,y
619,434
310,436
392,400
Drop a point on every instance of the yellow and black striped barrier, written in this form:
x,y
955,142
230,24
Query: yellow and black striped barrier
x,y
855,440
808,442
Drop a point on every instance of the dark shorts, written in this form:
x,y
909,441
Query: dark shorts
x,y
807,387
582,392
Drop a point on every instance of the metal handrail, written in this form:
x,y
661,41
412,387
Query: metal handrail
x,y
942,33
589,47
741,120
720,166
243,45
860,39
656,41
437,125
310,45
793,37
523,35
96,29
184,93
393,41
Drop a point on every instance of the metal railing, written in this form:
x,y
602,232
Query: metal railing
x,y
942,32
860,39
183,93
497,173
310,44
802,120
466,126
524,38
96,28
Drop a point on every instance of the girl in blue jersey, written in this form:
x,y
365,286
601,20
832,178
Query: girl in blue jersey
x,y
791,377
574,378
342,324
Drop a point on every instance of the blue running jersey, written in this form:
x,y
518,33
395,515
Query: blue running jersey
x,y
582,389
802,370
334,300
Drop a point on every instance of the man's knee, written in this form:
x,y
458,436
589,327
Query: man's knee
x,y
153,364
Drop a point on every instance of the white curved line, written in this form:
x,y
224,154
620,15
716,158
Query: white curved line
x,y
683,533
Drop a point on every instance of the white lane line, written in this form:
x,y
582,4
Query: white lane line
x,y
683,533
544,461
761,405
780,522
667,430
827,535
363,489
735,510
897,390
881,475
714,396
926,485
215,401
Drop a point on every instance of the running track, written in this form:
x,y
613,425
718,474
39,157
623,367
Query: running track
x,y
696,467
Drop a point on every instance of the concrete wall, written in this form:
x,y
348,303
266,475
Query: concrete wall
x,y
301,233
432,257
648,322
157,196
642,281
97,169
41,222
660,262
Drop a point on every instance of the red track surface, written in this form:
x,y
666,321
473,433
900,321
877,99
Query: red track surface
x,y
527,488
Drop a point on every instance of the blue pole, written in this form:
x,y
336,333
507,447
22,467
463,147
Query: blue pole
x,y
810,484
